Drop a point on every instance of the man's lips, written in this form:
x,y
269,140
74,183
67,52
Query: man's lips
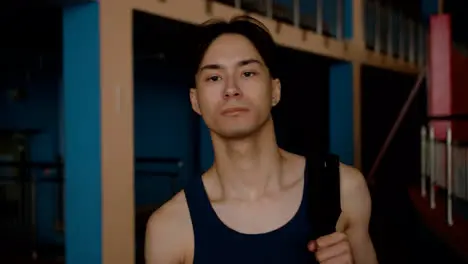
x,y
234,111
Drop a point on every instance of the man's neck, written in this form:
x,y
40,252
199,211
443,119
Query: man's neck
x,y
248,167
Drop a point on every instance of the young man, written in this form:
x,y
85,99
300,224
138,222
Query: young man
x,y
251,206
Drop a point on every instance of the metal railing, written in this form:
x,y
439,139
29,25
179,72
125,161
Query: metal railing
x,y
18,190
387,30
22,179
444,167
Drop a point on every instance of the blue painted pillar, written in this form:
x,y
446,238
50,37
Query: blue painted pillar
x,y
342,111
82,137
341,104
98,106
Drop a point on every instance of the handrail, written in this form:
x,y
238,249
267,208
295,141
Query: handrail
x,y
28,181
396,126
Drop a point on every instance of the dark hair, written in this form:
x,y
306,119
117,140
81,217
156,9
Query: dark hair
x,y
249,27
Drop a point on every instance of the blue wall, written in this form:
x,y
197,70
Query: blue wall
x,y
162,129
38,111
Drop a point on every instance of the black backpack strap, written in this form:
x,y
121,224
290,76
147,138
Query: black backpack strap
x,y
323,182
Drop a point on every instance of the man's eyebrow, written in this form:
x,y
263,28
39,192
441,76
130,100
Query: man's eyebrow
x,y
240,63
210,67
249,61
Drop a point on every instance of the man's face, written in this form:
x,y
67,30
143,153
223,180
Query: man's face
x,y
234,91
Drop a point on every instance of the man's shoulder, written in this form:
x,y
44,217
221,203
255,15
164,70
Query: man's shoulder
x,y
351,179
355,197
169,232
172,214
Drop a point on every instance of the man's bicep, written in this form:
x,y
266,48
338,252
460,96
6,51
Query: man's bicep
x,y
361,245
356,205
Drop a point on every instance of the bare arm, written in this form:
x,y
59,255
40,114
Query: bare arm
x,y
166,236
356,207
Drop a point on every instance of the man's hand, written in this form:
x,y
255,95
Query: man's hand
x,y
332,249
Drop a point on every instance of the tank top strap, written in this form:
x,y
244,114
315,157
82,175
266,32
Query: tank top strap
x,y
323,184
201,213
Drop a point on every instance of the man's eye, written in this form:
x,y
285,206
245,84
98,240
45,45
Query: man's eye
x,y
248,74
213,78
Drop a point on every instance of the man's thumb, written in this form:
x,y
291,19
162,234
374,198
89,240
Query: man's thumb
x,y
312,246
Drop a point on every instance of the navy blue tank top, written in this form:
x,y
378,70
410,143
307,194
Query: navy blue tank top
x,y
217,243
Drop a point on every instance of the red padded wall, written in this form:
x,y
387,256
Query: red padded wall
x,y
448,79
439,66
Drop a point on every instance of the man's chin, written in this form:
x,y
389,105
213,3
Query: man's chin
x,y
237,133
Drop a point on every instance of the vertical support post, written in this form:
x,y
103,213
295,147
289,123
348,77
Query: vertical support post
x,y
297,13
354,22
339,19
378,27
449,177
421,46
433,167
269,9
98,106
411,35
238,4
423,161
401,43
320,17
390,31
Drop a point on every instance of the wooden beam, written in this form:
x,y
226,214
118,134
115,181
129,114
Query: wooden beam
x,y
196,12
98,109
358,24
116,81
357,116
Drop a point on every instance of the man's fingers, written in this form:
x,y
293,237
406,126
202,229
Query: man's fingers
x,y
326,241
341,259
328,253
331,239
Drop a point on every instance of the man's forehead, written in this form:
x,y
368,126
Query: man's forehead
x,y
231,50
231,44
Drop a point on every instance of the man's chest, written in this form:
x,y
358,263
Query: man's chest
x,y
261,216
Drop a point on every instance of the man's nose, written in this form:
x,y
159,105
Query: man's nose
x,y
232,89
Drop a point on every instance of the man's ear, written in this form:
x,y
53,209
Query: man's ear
x,y
276,93
194,100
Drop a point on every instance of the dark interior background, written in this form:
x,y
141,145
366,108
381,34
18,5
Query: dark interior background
x,y
383,95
